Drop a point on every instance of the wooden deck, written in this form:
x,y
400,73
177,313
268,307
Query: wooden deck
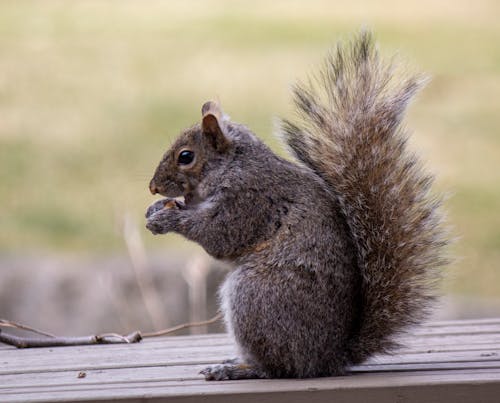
x,y
457,361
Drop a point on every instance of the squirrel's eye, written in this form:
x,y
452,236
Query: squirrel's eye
x,y
185,157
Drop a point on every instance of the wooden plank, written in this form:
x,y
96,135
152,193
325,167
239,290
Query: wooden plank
x,y
456,330
467,339
92,357
28,361
463,322
221,339
418,341
430,328
427,366
190,372
442,362
350,388
102,358
182,370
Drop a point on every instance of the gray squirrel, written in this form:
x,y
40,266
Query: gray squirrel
x,y
333,254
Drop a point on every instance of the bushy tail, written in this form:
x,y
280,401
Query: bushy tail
x,y
350,134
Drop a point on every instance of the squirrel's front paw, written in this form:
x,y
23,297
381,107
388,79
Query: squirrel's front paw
x,y
155,227
167,203
161,217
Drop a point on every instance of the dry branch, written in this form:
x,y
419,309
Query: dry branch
x,y
26,342
108,338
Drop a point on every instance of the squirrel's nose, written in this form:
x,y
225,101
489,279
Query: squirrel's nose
x,y
152,188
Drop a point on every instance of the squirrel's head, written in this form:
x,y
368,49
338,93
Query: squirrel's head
x,y
193,154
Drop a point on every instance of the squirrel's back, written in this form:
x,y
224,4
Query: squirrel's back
x,y
350,134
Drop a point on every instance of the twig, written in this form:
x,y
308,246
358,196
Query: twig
x,y
183,326
107,338
26,342
10,323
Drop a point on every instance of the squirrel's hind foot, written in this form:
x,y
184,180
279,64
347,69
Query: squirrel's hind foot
x,y
232,369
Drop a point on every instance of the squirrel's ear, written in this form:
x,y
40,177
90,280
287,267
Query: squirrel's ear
x,y
212,125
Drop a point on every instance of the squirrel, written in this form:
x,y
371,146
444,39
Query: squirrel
x,y
334,253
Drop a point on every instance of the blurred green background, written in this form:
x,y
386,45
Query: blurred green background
x,y
93,92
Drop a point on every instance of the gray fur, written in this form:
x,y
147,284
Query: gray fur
x,y
332,257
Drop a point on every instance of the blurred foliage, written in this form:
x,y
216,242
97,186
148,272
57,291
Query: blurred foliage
x,y
92,92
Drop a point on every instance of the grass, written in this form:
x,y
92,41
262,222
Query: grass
x,y
92,92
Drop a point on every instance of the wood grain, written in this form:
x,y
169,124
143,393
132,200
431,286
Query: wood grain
x,y
449,361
